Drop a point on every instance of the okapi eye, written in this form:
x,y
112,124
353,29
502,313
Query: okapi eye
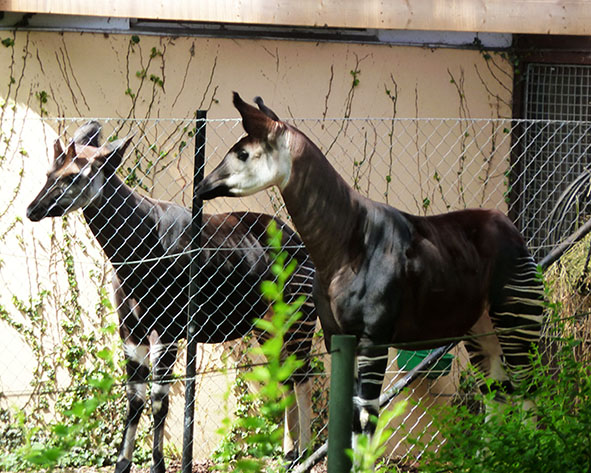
x,y
72,179
242,155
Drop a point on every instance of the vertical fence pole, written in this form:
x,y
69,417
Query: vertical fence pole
x,y
340,403
194,289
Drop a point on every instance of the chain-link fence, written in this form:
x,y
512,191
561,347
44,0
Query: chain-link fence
x,y
56,273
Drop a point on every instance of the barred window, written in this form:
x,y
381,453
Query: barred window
x,y
555,149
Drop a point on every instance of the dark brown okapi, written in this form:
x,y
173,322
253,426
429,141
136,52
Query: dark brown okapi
x,y
148,243
384,275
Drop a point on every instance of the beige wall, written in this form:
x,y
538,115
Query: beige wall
x,y
87,75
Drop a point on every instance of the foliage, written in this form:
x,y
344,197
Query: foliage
x,y
65,442
369,450
68,375
250,439
551,436
570,281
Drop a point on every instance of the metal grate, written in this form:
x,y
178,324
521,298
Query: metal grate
x,y
553,149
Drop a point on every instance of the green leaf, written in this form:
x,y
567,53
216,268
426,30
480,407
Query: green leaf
x,y
264,325
270,290
105,354
272,348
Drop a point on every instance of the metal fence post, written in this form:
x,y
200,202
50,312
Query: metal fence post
x,y
340,403
194,289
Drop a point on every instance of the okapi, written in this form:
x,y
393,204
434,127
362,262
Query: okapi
x,y
388,277
148,242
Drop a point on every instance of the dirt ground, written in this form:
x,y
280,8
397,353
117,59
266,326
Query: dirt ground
x,y
207,467
174,466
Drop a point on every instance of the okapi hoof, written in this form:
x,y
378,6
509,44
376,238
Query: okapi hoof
x,y
291,456
123,466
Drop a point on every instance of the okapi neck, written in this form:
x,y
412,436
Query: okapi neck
x,y
116,219
324,210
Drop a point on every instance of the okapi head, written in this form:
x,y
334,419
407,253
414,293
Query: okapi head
x,y
77,174
260,159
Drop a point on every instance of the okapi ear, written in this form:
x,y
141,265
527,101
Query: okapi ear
x,y
255,122
59,155
88,134
111,154
58,151
70,152
266,110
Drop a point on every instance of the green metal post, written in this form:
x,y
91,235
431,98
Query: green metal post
x,y
340,403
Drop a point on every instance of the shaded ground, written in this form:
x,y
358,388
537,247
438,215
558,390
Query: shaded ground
x,y
174,466
207,467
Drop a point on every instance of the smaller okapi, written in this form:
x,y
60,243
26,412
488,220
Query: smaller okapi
x,y
388,277
148,243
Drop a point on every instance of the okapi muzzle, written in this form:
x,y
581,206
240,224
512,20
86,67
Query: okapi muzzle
x,y
210,189
56,199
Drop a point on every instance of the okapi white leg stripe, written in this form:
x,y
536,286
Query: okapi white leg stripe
x,y
138,390
536,318
363,418
128,443
373,381
364,413
365,359
360,402
137,353
374,374
159,391
158,349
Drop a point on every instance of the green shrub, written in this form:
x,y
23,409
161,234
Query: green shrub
x,y
553,436
65,442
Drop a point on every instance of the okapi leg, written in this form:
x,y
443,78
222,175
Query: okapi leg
x,y
298,418
303,392
298,342
371,367
485,352
518,318
163,357
291,429
137,375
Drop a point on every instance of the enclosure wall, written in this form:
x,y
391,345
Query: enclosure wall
x,y
154,85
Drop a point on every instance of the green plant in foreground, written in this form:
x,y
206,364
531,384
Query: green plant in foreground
x,y
250,441
370,450
47,450
60,379
552,436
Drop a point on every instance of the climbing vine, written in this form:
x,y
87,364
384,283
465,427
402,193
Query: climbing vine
x,y
63,336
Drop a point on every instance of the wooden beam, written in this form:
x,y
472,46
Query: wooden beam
x,y
568,17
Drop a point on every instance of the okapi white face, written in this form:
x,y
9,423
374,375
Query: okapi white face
x,y
75,179
260,160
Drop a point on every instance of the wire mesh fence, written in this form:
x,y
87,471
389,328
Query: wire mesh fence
x,y
56,272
